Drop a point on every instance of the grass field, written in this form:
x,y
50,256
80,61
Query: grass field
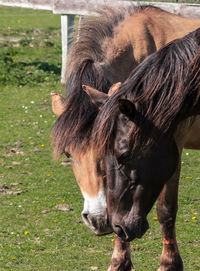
x,y
40,204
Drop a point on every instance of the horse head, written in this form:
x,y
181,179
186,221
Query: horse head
x,y
135,177
89,170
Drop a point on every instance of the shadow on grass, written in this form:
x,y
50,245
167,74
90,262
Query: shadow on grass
x,y
44,66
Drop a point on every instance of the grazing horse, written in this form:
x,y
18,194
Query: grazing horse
x,y
141,131
108,47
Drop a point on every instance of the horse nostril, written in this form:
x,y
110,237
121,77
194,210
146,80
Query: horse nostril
x,y
120,232
85,217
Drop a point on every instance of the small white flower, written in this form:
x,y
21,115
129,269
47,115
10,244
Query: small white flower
x,y
187,153
32,102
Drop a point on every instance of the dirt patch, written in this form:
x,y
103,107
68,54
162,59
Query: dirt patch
x,y
9,38
6,190
63,207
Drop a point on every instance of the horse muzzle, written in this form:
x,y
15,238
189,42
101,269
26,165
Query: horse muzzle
x,y
98,224
128,229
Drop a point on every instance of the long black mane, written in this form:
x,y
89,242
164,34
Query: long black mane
x,y
73,128
165,89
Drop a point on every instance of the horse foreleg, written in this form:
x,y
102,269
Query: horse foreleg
x,y
121,258
167,207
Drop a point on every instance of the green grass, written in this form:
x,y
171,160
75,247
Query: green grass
x,y
34,234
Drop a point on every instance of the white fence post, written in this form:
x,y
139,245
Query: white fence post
x,y
67,24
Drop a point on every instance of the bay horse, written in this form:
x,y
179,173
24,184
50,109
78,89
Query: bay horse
x,y
141,131
108,47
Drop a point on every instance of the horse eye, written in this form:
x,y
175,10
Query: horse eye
x,y
124,156
132,186
68,154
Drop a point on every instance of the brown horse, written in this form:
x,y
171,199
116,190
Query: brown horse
x,y
108,48
141,131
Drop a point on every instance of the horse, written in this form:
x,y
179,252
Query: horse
x,y
108,47
140,132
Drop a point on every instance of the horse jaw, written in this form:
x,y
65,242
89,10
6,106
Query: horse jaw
x,y
58,104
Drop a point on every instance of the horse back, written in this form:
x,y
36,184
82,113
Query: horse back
x,y
139,35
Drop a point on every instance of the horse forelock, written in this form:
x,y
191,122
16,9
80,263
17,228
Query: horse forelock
x,y
164,88
71,131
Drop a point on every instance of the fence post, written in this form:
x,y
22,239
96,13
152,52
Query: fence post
x,y
67,25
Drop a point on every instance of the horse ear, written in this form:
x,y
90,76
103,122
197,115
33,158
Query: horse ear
x,y
127,108
58,104
114,88
96,96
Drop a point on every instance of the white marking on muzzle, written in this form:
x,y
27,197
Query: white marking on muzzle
x,y
95,206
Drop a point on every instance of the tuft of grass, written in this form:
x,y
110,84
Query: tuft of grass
x,y
34,233
20,73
